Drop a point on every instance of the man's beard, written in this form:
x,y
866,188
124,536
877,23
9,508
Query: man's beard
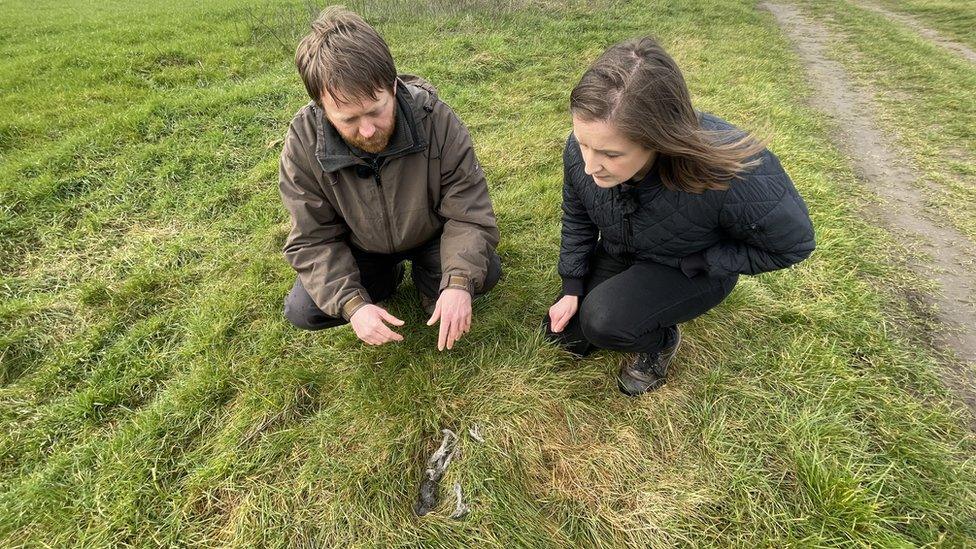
x,y
375,143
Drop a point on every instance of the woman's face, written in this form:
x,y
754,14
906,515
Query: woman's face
x,y
609,157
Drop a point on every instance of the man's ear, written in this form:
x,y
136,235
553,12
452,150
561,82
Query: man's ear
x,y
394,87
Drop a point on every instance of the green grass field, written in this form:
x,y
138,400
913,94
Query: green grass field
x,y
953,19
925,96
152,394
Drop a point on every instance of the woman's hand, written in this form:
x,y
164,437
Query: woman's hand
x,y
562,311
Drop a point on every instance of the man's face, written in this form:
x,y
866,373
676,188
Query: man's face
x,y
608,156
363,122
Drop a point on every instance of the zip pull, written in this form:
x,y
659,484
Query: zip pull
x,y
363,171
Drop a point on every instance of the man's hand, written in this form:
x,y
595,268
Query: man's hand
x,y
454,311
562,311
368,323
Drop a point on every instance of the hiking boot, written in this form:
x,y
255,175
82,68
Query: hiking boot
x,y
648,371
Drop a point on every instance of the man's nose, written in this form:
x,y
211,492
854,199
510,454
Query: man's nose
x,y
367,129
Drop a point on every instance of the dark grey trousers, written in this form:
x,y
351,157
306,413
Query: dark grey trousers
x,y
380,275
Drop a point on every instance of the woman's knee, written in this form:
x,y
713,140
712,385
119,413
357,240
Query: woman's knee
x,y
602,328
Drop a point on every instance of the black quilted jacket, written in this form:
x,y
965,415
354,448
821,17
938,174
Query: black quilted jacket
x,y
759,224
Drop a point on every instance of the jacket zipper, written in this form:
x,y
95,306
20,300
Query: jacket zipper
x,y
386,215
627,231
627,227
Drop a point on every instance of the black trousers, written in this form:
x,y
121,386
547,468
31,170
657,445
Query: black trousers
x,y
632,306
380,275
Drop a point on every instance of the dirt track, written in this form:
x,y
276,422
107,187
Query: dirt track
x,y
921,29
881,170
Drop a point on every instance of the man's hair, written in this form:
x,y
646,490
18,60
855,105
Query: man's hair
x,y
636,87
344,56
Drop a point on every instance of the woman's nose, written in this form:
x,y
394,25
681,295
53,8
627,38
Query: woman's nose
x,y
589,165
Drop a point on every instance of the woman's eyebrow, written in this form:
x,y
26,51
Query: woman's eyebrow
x,y
601,151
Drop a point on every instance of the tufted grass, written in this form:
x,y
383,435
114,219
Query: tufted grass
x,y
923,94
151,393
954,20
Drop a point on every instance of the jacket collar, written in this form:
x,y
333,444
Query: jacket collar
x,y
334,154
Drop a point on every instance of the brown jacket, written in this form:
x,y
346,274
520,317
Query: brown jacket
x,y
427,182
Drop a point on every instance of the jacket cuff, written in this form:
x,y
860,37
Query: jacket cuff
x,y
353,304
572,286
457,282
693,265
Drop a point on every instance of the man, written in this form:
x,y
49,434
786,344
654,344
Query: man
x,y
374,171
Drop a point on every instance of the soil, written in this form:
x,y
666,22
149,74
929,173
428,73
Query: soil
x,y
882,169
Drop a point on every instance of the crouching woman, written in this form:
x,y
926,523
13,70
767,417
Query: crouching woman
x,y
663,208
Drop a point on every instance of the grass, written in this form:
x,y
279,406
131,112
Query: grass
x,y
924,95
952,19
152,394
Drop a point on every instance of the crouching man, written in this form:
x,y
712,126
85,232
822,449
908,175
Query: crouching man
x,y
376,170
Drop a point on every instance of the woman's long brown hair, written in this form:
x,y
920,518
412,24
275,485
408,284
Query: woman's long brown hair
x,y
636,87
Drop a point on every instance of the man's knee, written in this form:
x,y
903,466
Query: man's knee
x,y
297,311
302,312
494,273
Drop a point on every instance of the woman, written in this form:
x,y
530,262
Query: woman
x,y
663,208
